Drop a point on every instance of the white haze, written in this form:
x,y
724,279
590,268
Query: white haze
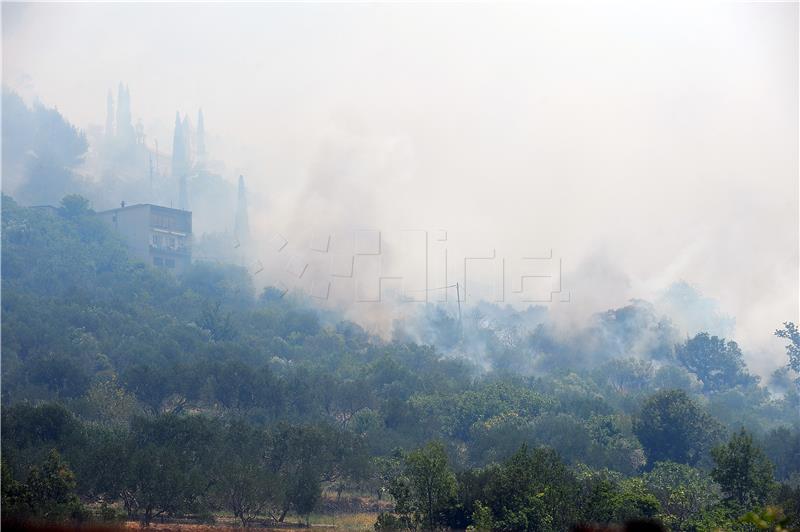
x,y
646,144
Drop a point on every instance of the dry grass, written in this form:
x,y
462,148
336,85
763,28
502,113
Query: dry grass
x,y
348,521
345,522
349,512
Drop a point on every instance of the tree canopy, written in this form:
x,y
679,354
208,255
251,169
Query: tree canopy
x,y
192,396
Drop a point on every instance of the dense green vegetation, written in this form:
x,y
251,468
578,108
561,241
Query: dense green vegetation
x,y
189,396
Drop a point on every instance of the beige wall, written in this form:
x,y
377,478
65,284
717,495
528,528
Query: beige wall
x,y
135,225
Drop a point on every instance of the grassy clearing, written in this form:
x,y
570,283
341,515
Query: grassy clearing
x,y
344,521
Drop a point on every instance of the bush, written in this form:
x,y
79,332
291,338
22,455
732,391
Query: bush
x,y
387,521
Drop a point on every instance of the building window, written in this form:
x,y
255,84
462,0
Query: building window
x,y
158,261
170,263
163,222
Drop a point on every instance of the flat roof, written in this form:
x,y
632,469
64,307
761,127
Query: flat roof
x,y
140,205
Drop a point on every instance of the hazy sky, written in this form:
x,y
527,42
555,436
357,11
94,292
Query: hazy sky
x,y
645,144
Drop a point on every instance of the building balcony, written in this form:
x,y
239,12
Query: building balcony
x,y
174,250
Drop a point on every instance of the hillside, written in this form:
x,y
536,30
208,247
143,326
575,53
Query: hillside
x,y
130,393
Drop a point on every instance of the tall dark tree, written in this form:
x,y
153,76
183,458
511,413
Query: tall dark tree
x,y
682,491
48,494
304,457
427,488
782,447
673,427
717,363
244,481
167,459
533,490
743,471
790,332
